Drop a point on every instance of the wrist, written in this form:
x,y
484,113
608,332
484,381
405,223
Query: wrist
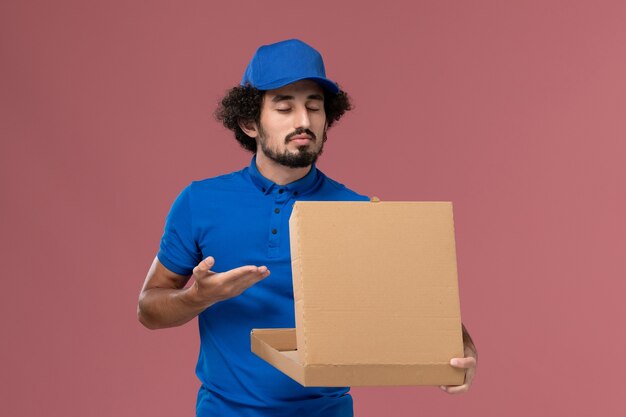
x,y
192,297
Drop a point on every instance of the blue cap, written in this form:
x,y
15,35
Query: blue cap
x,y
282,63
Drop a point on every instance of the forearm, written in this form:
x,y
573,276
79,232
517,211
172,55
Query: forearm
x,y
168,307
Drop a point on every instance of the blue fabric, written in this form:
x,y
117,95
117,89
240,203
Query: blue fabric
x,y
242,218
285,62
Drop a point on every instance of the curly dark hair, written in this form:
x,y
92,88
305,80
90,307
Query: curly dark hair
x,y
243,104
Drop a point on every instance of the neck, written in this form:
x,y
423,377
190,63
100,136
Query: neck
x,y
277,173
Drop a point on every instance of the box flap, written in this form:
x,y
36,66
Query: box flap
x,y
277,347
375,283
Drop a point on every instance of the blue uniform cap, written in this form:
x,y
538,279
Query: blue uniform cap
x,y
285,62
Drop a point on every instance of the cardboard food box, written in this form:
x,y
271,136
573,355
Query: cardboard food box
x,y
376,296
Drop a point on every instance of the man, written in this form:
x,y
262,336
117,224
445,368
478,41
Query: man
x,y
231,234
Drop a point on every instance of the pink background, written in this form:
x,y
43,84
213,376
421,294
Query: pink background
x,y
515,111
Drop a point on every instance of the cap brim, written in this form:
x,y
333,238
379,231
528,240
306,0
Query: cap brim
x,y
325,83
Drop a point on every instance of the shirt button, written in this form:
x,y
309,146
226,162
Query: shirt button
x,y
274,231
263,189
276,210
295,193
281,191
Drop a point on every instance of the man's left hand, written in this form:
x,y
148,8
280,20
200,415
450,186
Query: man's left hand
x,y
469,364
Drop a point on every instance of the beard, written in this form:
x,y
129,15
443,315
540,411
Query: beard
x,y
300,159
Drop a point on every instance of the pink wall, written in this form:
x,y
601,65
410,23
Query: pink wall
x,y
515,111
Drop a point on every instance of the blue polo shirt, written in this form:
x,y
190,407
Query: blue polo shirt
x,y
242,218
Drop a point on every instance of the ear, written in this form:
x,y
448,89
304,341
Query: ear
x,y
249,128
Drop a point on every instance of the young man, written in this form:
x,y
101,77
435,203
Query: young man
x,y
231,234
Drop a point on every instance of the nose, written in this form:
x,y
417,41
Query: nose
x,y
302,119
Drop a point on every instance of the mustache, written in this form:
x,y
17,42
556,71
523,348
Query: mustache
x,y
300,131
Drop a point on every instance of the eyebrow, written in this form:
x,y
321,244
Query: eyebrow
x,y
281,97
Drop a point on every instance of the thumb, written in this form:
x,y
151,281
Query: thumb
x,y
205,265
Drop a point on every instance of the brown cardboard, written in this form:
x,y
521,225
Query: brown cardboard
x,y
376,296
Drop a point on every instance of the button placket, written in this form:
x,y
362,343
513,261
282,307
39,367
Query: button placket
x,y
281,197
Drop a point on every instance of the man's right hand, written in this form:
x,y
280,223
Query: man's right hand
x,y
165,302
211,287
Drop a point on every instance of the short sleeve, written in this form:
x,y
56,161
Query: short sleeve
x,y
178,250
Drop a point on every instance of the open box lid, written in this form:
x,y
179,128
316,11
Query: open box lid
x,y
375,283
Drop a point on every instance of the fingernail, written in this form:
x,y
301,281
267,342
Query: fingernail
x,y
455,362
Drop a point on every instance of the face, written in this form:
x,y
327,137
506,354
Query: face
x,y
292,127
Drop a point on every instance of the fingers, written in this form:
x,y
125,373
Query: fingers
x,y
220,286
465,363
232,283
469,364
455,389
254,273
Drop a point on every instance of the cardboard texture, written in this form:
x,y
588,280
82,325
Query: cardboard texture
x,y
376,296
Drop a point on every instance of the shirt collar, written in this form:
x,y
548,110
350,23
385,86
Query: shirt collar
x,y
266,186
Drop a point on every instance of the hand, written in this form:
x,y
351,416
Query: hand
x,y
469,364
210,287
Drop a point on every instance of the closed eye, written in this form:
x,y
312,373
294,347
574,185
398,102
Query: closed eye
x,y
289,109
